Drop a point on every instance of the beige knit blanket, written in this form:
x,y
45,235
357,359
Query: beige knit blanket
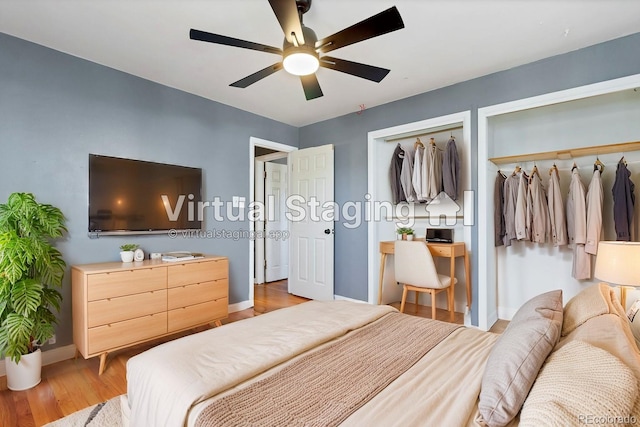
x,y
324,387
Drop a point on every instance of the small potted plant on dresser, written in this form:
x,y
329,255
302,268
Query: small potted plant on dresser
x,y
405,233
127,252
31,271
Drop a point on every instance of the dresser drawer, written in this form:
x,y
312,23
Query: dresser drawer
x,y
112,310
194,315
118,334
127,282
186,295
197,272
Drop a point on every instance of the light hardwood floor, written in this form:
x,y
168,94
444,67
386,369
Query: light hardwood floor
x,y
72,385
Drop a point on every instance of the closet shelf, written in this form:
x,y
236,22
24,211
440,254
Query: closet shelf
x,y
570,153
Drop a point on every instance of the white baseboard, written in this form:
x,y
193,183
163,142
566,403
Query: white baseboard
x,y
239,306
506,313
341,298
49,357
491,319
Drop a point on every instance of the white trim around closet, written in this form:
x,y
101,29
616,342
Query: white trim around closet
x,y
487,301
380,136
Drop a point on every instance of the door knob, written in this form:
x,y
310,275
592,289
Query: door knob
x,y
327,231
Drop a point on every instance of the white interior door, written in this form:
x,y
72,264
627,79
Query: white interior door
x,y
311,222
276,248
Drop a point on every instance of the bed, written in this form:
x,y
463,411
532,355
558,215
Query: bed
x,y
352,364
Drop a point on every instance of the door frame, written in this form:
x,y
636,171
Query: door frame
x,y
272,145
273,246
260,252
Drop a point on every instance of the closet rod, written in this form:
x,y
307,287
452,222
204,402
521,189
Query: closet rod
x,y
423,134
570,153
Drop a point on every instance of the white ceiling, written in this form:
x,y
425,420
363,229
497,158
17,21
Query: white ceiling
x,y
443,42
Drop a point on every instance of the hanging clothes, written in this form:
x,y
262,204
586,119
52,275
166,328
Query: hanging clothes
x,y
451,169
417,172
397,193
557,219
406,176
510,200
577,227
623,202
431,172
595,197
529,212
498,209
539,210
522,225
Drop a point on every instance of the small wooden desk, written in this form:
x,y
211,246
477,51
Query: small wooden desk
x,y
447,250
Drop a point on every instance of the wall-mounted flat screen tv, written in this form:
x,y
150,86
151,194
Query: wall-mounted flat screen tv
x,y
134,196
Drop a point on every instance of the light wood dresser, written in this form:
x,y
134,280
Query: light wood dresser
x,y
117,305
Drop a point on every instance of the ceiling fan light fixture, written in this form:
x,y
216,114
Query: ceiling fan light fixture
x,y
300,61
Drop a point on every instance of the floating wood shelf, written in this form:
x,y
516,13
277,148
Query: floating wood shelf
x,y
571,153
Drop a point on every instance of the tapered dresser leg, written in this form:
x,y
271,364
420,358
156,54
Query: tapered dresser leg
x,y
103,362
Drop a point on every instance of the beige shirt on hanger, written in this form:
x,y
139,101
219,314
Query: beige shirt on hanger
x,y
406,175
557,218
577,227
540,222
431,172
522,228
594,213
417,173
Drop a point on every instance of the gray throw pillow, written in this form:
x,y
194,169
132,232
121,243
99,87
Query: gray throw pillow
x,y
517,356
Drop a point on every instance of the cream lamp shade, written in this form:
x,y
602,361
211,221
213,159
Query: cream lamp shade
x,y
619,263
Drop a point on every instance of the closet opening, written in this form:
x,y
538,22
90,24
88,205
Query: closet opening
x,y
419,215
577,130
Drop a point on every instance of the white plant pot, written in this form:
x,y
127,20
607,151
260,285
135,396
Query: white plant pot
x,y
409,236
26,373
126,256
399,236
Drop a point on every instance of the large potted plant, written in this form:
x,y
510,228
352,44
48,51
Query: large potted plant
x,y
31,271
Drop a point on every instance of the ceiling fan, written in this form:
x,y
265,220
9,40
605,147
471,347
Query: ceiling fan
x,y
301,51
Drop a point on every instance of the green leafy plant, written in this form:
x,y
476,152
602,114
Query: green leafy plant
x,y
31,271
405,230
128,247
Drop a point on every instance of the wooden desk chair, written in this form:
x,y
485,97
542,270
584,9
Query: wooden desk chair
x,y
415,269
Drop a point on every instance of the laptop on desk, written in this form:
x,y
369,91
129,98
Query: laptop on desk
x,y
439,235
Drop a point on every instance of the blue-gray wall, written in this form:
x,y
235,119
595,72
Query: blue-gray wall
x,y
348,133
55,109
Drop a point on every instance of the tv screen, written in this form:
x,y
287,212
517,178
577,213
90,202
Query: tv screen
x,y
137,196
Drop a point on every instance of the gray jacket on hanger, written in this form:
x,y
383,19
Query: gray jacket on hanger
x,y
623,202
451,169
395,170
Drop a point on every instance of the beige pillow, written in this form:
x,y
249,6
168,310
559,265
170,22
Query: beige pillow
x,y
611,333
596,316
588,303
517,356
577,383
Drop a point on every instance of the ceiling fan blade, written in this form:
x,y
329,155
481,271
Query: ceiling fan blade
x,y
369,72
259,75
377,25
311,86
287,13
230,41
